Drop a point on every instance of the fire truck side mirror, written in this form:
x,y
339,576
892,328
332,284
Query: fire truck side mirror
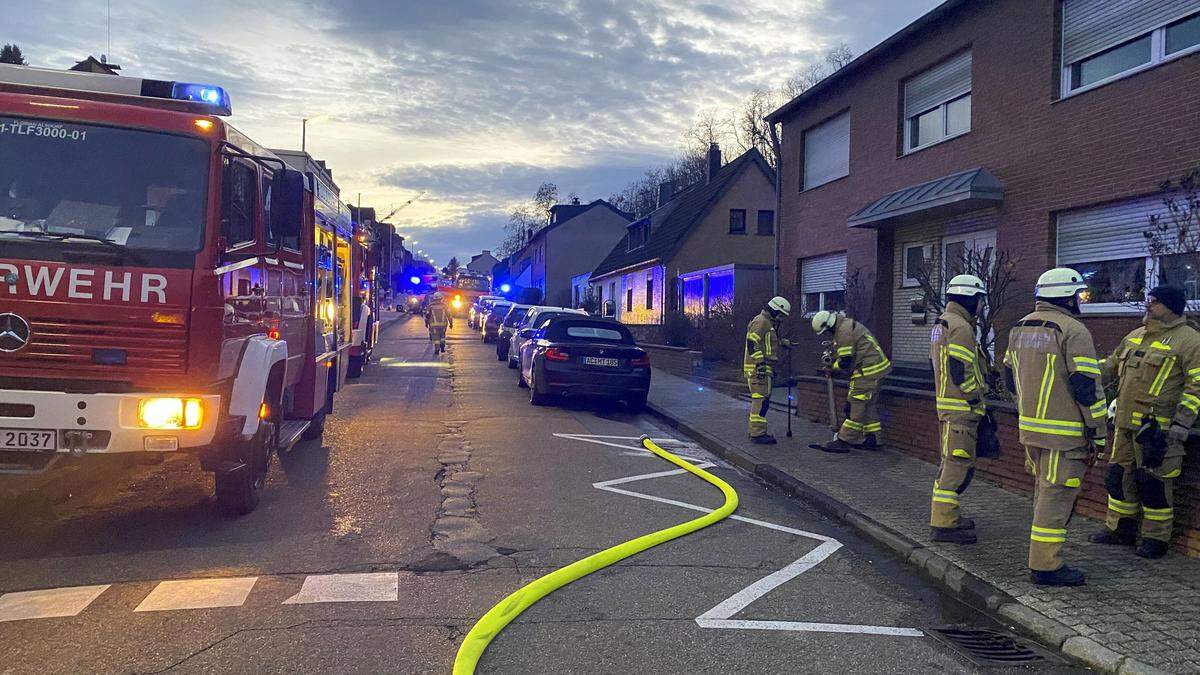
x,y
287,203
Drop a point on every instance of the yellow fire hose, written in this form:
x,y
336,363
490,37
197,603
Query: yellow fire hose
x,y
499,616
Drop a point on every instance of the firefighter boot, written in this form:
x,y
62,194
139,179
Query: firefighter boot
x,y
872,443
965,524
837,446
1063,576
1124,535
765,439
954,535
1152,549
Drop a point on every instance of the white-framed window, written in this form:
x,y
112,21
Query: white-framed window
x,y
937,103
1107,246
1106,40
915,256
823,283
827,151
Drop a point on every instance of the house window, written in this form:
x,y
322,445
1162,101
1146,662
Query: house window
x,y
737,221
916,256
766,222
1105,40
827,151
611,308
639,233
649,290
937,103
629,299
823,283
1107,246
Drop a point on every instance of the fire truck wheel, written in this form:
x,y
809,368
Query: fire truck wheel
x,y
316,427
354,369
239,491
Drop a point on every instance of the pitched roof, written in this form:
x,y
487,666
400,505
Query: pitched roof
x,y
928,19
563,213
672,222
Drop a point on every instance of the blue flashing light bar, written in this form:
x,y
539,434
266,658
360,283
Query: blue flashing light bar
x,y
504,288
202,93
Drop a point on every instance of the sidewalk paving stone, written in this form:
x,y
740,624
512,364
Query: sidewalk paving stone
x,y
1132,615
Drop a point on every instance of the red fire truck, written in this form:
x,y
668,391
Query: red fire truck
x,y
463,289
166,283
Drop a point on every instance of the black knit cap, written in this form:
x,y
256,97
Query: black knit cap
x,y
1172,297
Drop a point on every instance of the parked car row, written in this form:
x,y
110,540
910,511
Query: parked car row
x,y
559,352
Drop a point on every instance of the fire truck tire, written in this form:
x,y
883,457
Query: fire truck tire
x,y
239,491
355,368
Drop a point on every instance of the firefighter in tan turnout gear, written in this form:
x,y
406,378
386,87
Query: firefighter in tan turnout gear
x,y
1051,366
763,347
960,389
438,318
1157,371
857,352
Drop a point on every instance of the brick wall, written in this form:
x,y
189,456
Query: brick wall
x,y
674,360
910,426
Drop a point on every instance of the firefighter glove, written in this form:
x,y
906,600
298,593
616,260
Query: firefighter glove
x,y
762,370
787,344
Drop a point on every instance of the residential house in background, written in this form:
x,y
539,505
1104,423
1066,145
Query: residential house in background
x,y
712,242
576,239
91,65
1039,128
482,263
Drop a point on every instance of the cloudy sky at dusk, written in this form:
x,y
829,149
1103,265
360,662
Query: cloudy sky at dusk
x,y
474,101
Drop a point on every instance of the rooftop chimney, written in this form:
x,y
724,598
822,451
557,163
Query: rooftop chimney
x,y
714,161
486,252
666,190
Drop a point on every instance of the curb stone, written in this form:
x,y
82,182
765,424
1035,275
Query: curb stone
x,y
962,584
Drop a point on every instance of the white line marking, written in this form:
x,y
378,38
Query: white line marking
x,y
369,587
48,603
720,616
197,594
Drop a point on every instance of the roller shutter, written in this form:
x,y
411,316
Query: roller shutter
x,y
1092,26
823,273
827,151
941,83
1111,232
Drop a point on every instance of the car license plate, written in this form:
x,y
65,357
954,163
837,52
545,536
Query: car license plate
x,y
597,361
28,439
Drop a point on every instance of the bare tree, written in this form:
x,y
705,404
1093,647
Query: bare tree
x,y
1178,230
856,293
527,218
838,57
750,127
997,269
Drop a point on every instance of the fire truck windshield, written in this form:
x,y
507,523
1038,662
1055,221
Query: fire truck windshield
x,y
67,185
473,283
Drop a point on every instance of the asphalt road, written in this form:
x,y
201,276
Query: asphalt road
x,y
438,490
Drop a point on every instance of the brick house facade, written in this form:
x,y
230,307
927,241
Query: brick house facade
x,y
712,242
1028,157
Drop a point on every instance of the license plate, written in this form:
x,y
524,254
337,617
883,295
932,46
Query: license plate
x,y
28,439
597,361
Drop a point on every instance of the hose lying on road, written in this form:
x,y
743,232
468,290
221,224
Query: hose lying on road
x,y
506,610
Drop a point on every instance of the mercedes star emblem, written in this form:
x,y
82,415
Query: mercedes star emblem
x,y
14,332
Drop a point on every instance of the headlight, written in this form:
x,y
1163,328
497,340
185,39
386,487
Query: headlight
x,y
456,302
170,413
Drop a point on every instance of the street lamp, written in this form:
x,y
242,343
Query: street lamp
x,y
304,128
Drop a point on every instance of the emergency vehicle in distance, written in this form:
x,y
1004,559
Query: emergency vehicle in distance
x,y
166,283
463,289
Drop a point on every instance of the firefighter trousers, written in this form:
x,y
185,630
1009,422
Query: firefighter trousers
x,y
956,470
1135,489
863,416
1058,475
437,334
760,401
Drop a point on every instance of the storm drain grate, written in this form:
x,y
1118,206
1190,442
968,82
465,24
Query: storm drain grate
x,y
992,648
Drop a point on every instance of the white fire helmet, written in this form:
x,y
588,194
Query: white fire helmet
x,y
1060,282
780,305
823,321
966,284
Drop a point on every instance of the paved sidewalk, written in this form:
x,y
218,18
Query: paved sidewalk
x,y
1132,614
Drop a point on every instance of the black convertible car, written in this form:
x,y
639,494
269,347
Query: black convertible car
x,y
585,357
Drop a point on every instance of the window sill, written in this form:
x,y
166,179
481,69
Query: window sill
x,y
909,284
764,234
740,234
939,141
1109,309
1127,74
